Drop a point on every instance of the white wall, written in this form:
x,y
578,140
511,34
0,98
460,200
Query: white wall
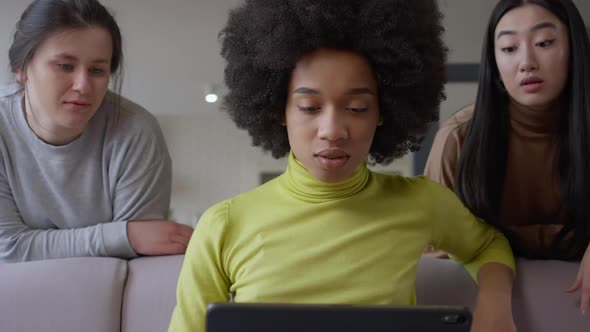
x,y
172,53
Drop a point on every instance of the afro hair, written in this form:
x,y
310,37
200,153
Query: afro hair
x,y
402,40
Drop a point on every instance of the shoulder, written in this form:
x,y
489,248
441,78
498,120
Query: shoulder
x,y
9,95
425,187
124,122
456,126
10,90
420,187
416,193
129,134
432,189
128,116
215,216
435,197
234,215
245,205
444,156
260,195
411,187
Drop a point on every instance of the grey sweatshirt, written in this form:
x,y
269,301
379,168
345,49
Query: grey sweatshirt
x,y
75,200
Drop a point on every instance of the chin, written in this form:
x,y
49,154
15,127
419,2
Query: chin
x,y
535,103
332,177
76,124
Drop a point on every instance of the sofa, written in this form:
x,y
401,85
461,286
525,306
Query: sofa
x,y
109,294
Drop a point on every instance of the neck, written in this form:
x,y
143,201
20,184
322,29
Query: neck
x,y
304,186
552,107
535,120
47,134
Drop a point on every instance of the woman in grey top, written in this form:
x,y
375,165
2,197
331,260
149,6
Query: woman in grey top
x,y
82,170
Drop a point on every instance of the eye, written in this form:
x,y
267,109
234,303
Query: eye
x,y
97,71
357,109
308,108
508,50
546,43
65,67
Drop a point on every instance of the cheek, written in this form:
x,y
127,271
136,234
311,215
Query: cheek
x,y
52,82
563,62
102,84
297,129
299,133
298,122
365,132
557,68
561,78
505,68
47,86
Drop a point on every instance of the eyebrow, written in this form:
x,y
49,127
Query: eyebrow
x,y
353,91
542,25
73,58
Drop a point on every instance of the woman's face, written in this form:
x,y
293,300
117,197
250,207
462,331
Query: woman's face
x,y
532,52
332,112
66,81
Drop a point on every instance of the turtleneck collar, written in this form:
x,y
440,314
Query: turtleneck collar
x,y
304,186
534,123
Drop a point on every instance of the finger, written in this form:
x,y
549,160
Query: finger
x,y
585,302
177,249
575,286
186,227
185,230
180,239
577,283
186,233
173,249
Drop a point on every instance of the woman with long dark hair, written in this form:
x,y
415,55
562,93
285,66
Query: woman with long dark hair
x,y
520,156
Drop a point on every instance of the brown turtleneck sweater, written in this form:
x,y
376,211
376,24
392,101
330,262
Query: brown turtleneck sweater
x,y
531,209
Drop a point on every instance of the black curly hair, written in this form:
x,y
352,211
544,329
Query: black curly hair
x,y
402,40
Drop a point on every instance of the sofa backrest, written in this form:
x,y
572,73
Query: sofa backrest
x,y
540,303
110,295
150,295
65,295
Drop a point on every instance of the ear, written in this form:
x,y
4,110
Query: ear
x,y
20,76
380,123
283,121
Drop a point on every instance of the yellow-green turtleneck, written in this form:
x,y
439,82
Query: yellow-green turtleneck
x,y
296,239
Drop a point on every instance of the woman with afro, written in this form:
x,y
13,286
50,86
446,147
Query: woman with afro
x,y
336,85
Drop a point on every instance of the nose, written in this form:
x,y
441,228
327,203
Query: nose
x,y
529,60
81,82
333,125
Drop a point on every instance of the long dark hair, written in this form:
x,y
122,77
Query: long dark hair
x,y
482,170
43,18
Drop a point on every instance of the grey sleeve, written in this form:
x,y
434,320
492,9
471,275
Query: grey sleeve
x,y
19,242
144,178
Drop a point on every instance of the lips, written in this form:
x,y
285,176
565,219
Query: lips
x,y
532,84
77,103
531,80
332,158
333,153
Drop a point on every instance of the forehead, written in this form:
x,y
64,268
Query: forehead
x,y
92,43
523,18
330,69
